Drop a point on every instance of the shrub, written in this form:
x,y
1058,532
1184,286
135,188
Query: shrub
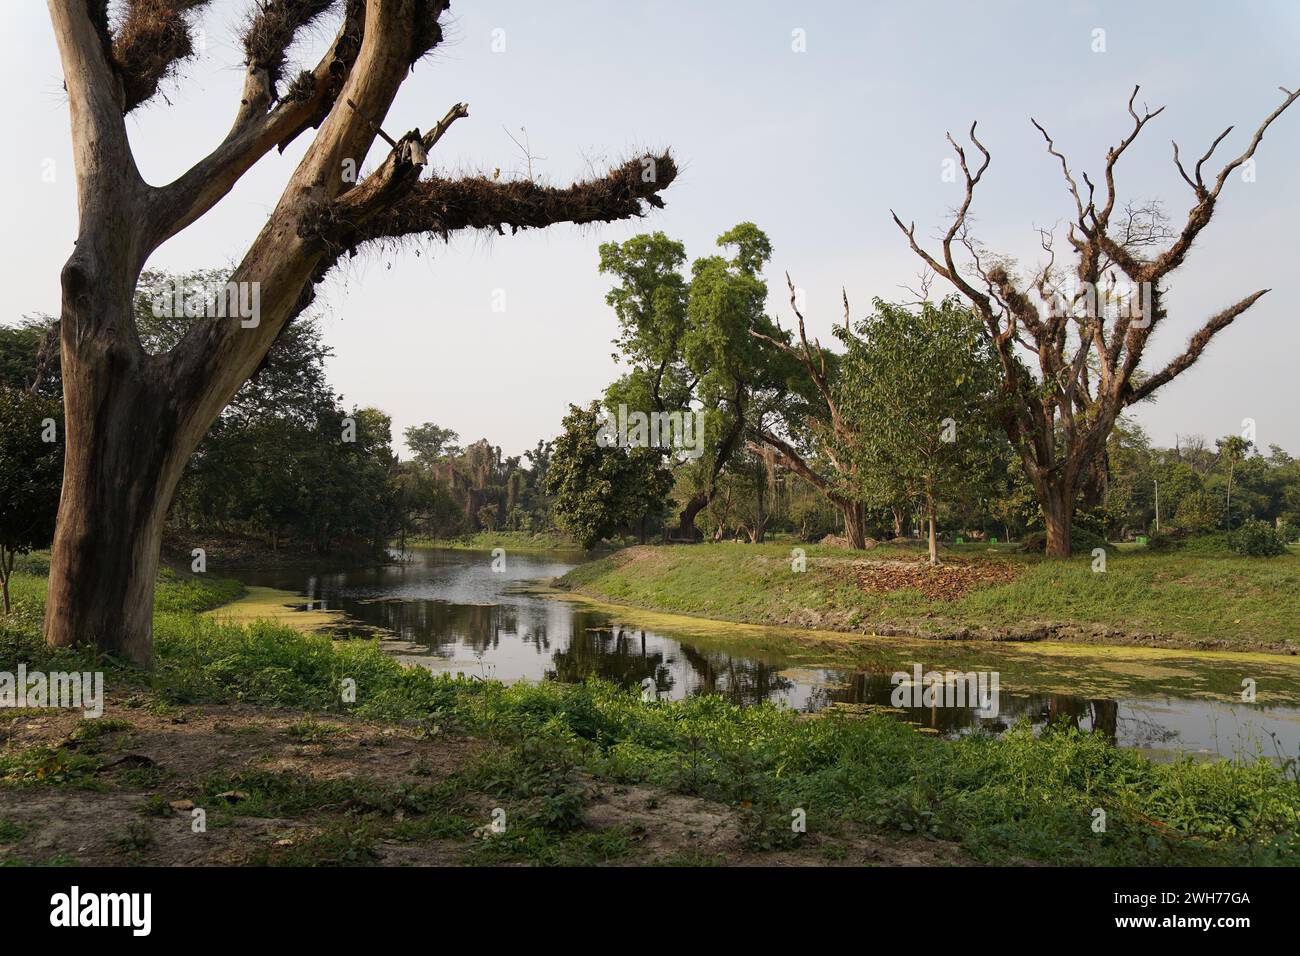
x,y
1163,542
1197,512
1082,541
1256,539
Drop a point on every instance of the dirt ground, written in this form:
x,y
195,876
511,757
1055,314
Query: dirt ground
x,y
135,805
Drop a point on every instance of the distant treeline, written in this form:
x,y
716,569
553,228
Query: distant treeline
x,y
289,464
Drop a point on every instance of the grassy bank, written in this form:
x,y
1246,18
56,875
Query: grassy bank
x,y
1171,600
487,540
248,723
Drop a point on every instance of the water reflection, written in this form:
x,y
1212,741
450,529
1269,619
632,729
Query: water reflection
x,y
450,611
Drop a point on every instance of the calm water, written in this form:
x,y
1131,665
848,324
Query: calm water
x,y
450,611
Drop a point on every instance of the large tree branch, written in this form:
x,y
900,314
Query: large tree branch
x,y
1102,219
1195,346
259,127
271,30
443,206
1200,214
218,355
101,152
795,462
948,269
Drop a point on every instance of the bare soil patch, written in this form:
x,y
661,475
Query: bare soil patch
x,y
134,806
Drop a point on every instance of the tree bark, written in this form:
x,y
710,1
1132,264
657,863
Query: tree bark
x,y
1097,483
122,461
686,519
1058,515
934,543
855,523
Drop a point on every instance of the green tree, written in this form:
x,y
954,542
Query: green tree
x,y
917,386
1232,450
599,488
31,470
690,346
430,444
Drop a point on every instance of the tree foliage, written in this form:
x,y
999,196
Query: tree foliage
x,y
918,387
31,469
601,488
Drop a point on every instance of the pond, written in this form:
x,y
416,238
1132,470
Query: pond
x,y
463,611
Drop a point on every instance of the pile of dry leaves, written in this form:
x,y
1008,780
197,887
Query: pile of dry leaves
x,y
944,582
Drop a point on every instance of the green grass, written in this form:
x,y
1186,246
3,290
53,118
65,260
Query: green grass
x,y
510,540
1194,596
1020,796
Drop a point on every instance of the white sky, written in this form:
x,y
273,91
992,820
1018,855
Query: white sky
x,y
815,147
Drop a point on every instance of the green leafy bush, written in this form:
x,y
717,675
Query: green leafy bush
x,y
1257,539
1198,512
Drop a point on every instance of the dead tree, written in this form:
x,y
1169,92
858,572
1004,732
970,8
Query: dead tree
x,y
1067,319
830,428
132,419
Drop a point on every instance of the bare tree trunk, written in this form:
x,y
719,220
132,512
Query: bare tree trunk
x,y
6,570
1058,515
123,458
1097,483
855,523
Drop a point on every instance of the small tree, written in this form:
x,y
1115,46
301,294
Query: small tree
x,y
31,469
430,443
599,488
1232,449
916,389
810,435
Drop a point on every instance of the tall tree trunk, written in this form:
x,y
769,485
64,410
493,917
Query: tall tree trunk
x,y
1097,483
1058,515
122,460
934,542
855,523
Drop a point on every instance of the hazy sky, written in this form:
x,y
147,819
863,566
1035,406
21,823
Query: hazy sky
x,y
813,146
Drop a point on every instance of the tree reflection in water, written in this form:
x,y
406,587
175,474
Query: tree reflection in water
x,y
450,611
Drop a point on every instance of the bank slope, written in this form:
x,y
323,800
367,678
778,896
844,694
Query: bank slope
x,y
1164,600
